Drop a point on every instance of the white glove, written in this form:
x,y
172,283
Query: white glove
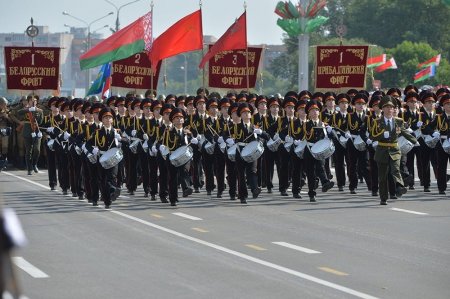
x,y
133,133
375,144
50,129
419,123
33,134
66,135
297,142
409,130
257,131
117,136
95,151
436,135
32,109
386,134
194,140
39,134
288,139
348,135
369,141
230,141
116,142
220,139
154,149
83,147
162,147
329,129
145,136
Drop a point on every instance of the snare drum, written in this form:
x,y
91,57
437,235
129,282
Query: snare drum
x,y
252,151
209,147
404,145
300,149
164,152
134,146
446,146
181,156
223,147
51,144
231,153
322,149
273,144
343,141
111,158
359,143
430,141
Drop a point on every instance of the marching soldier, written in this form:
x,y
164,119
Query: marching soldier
x,y
228,134
298,136
272,124
5,122
387,154
326,116
144,134
258,119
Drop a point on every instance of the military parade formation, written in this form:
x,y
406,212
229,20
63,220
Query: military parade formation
x,y
176,146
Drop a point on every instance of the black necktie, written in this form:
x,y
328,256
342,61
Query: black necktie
x,y
389,124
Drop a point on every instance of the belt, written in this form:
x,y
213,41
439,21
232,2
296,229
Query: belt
x,y
387,144
242,143
444,137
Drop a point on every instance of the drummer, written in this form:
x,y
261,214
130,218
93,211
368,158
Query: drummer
x,y
144,134
326,116
103,140
178,137
244,134
298,136
227,133
272,125
314,132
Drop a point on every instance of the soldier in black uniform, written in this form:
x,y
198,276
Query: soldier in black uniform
x,y
258,120
326,115
144,134
272,124
50,122
228,134
298,135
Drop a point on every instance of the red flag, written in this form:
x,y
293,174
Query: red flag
x,y
234,39
390,64
435,60
183,36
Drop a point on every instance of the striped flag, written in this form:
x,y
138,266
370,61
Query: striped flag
x,y
102,82
433,61
376,61
388,65
428,72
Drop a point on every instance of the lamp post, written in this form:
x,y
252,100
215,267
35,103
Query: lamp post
x,y
88,44
184,67
118,11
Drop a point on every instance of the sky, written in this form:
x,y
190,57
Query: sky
x,y
218,15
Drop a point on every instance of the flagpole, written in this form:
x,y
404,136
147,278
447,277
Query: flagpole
x,y
246,51
203,54
152,77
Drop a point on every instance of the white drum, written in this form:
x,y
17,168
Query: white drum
x,y
111,158
92,158
404,145
288,145
223,147
343,141
273,144
430,141
209,147
359,143
300,149
134,146
145,146
446,146
252,151
231,152
201,139
51,144
322,149
164,152
181,156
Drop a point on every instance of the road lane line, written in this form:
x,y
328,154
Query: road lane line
x,y
333,271
26,180
243,256
157,215
201,230
295,247
408,211
255,247
29,268
251,258
187,216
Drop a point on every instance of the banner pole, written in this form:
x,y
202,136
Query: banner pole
x,y
246,51
151,62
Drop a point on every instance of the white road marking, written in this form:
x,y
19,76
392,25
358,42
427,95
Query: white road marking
x,y
123,196
408,211
26,180
244,256
29,268
250,258
187,216
295,247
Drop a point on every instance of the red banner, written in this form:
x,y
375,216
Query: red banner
x,y
341,67
134,72
228,69
32,68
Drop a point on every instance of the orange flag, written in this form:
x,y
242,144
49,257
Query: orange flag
x,y
183,36
234,39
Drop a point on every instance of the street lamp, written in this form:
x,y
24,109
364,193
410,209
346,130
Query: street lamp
x,y
118,11
88,44
185,73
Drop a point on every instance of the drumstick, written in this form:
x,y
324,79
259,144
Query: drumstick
x,y
212,130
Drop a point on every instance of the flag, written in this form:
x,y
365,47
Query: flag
x,y
435,60
130,40
233,39
183,36
101,81
429,71
376,61
390,64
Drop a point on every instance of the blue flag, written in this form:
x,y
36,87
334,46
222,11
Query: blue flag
x,y
101,79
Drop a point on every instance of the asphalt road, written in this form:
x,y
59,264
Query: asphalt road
x,y
343,246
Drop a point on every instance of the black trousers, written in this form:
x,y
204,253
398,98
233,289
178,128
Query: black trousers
x,y
178,175
246,171
357,164
284,158
51,167
163,177
313,168
231,177
86,177
414,154
340,155
443,158
297,173
32,151
145,170
63,168
94,182
108,182
132,174
425,154
271,159
214,166
153,174
373,170
76,185
197,169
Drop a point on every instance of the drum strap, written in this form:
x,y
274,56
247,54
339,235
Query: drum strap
x,y
387,144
